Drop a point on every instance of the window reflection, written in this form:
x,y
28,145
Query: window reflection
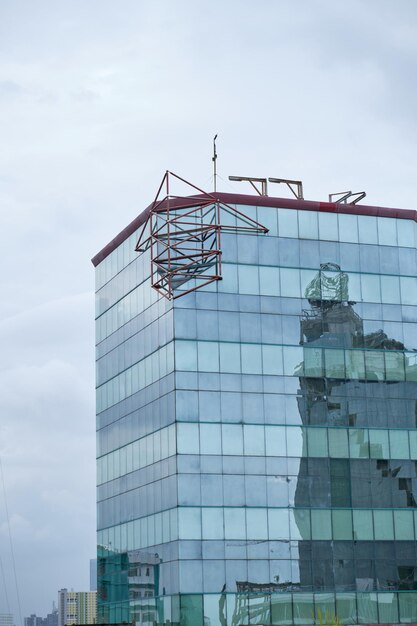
x,y
347,385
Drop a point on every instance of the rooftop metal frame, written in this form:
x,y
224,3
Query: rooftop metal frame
x,y
183,234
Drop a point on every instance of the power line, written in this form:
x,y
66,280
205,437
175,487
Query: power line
x,y
11,543
6,595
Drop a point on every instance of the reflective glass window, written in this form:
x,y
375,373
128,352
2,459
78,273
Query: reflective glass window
x,y
338,443
269,281
399,444
362,525
348,227
287,223
321,524
251,359
342,525
383,525
328,226
212,520
230,357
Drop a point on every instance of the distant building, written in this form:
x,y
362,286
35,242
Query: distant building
x,y
34,620
76,607
52,618
93,574
6,619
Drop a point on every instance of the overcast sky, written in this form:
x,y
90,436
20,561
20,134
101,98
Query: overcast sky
x,y
97,99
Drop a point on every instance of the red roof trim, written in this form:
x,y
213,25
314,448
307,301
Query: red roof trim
x,y
266,201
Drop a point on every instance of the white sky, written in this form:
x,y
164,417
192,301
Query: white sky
x,y
97,99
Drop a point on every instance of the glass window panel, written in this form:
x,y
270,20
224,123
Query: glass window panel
x,y
368,229
232,439
279,524
362,525
359,443
230,358
404,525
300,524
208,356
408,290
394,365
293,361
287,223
317,442
308,225
251,359
210,439
281,609
338,443
408,607
189,523
269,281
294,441
186,355
367,608
254,437
413,444
188,439
256,523
335,363
187,406
272,360
346,608
375,365
248,279
234,523
387,231
321,524
268,217
313,362
410,361
378,444
348,228
307,277
383,525
275,441
399,444
390,289
229,282
371,290
328,229
290,283
354,287
212,519
406,233
342,525
191,605
304,609
388,608
325,607
355,366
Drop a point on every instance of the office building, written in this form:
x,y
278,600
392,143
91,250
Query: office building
x,y
256,413
76,607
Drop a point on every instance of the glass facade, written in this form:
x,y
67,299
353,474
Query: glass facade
x,y
257,438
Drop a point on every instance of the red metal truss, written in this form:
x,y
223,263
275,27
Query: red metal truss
x,y
183,234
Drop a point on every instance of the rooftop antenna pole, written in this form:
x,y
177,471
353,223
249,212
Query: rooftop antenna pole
x,y
214,159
